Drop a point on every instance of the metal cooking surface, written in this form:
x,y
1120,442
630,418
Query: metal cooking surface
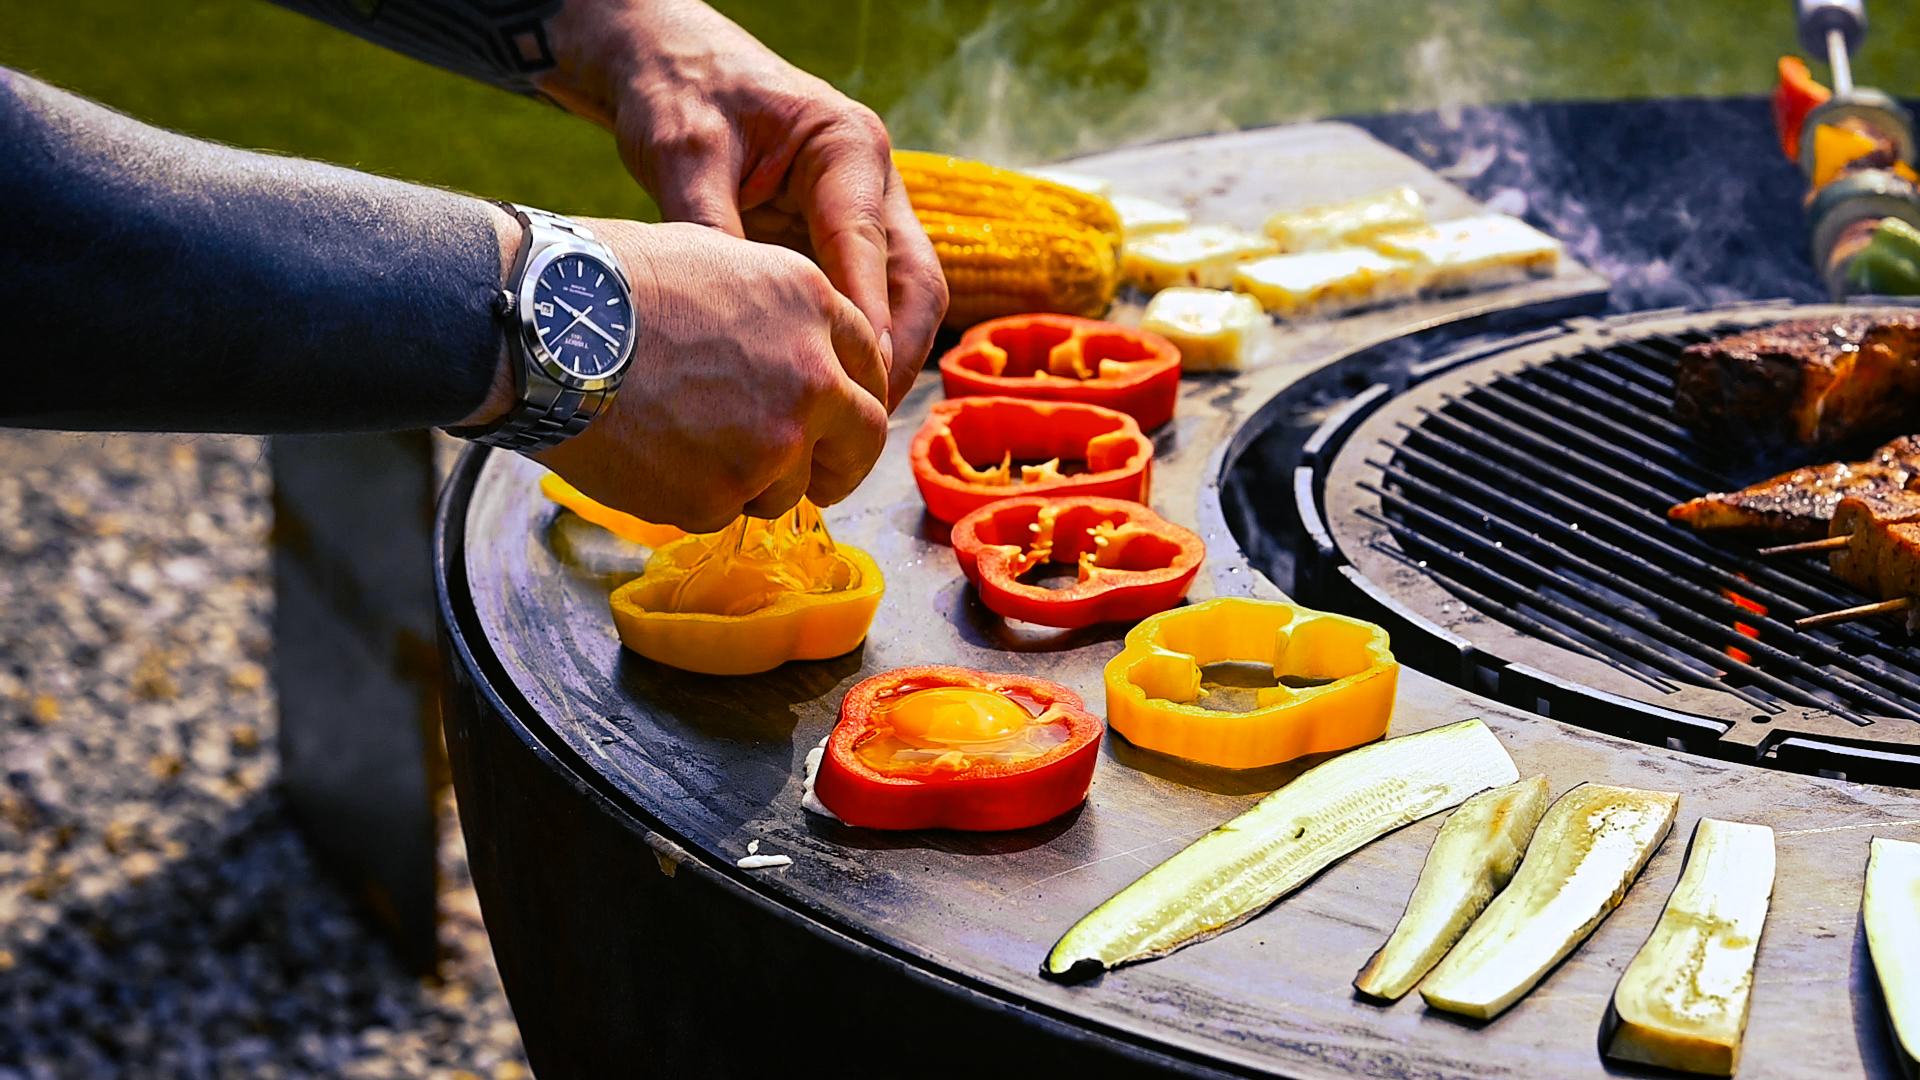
x,y
1517,503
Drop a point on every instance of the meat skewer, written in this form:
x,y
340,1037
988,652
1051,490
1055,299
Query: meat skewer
x,y
1799,504
1831,543
1878,552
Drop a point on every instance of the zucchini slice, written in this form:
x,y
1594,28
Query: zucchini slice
x,y
1682,1003
1471,860
1579,865
1891,910
1231,874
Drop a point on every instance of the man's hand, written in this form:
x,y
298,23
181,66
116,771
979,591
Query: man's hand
x,y
724,133
753,383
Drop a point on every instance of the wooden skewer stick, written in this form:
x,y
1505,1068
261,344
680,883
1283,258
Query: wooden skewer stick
x,y
1864,611
1831,543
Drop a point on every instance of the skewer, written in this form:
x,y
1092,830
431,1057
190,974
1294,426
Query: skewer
x,y
1864,611
1831,543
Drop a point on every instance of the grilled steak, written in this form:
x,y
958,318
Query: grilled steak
x,y
1808,381
1798,505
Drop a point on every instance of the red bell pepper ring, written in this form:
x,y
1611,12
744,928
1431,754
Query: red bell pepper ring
x,y
1000,431
929,748
1067,358
1794,97
1133,562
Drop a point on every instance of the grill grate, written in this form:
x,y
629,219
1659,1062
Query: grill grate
x,y
1534,492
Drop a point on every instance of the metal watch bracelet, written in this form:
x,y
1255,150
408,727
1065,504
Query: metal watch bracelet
x,y
546,413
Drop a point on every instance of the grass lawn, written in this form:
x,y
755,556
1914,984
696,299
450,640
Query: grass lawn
x,y
1014,80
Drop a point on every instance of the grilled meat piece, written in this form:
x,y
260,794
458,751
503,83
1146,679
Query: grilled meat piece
x,y
1882,558
1807,381
1798,505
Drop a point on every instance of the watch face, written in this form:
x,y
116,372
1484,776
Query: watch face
x,y
580,311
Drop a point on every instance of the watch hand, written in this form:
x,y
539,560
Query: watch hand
x,y
595,327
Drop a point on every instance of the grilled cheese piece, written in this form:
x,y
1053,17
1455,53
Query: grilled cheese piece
x,y
1318,284
1353,222
1204,256
1798,505
1140,217
1473,253
1211,328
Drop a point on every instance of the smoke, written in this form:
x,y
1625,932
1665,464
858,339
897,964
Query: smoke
x,y
1680,202
1058,78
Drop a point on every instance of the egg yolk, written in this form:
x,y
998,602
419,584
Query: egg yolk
x,y
950,714
953,727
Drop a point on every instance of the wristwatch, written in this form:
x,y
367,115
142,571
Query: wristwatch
x,y
571,330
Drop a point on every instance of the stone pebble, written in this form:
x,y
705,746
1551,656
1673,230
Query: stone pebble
x,y
159,915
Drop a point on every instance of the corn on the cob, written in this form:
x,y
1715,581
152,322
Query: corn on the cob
x,y
954,185
1011,243
1003,267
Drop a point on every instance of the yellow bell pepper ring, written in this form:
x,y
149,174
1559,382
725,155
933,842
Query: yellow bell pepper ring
x,y
1343,673
623,525
697,609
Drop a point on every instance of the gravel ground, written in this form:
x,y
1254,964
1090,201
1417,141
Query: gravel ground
x,y
159,915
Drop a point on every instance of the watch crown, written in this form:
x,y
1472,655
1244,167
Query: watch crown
x,y
504,303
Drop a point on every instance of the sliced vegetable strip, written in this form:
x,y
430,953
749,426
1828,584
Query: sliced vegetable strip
x,y
1891,910
1471,861
1233,873
1682,1003
1588,849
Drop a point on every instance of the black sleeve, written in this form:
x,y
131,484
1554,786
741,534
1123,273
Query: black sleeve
x,y
159,282
503,42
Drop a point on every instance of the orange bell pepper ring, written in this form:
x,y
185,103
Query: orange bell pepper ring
x,y
1334,683
1082,450
1067,358
750,598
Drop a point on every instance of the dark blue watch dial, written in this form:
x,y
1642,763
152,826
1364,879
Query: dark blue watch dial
x,y
581,314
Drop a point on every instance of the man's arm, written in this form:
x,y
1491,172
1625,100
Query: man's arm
x,y
721,130
164,283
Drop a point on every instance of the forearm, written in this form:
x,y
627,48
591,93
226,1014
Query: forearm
x,y
503,42
169,283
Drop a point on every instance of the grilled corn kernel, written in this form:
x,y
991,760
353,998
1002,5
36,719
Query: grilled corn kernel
x,y
937,182
997,268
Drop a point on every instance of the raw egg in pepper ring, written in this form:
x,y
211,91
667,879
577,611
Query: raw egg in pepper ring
x,y
939,747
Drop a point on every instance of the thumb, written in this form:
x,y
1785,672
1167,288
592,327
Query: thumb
x,y
695,176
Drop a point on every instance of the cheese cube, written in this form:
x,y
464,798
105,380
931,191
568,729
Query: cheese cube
x,y
1353,222
1213,329
1139,216
1317,284
1203,255
1473,253
1092,185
